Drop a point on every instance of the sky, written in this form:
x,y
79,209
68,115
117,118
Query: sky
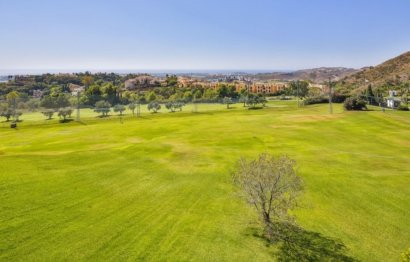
x,y
200,35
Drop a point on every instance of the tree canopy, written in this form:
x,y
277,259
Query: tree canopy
x,y
103,108
270,184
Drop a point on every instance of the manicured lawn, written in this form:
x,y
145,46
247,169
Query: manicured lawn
x,y
159,187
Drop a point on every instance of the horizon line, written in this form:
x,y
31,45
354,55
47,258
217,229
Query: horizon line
x,y
130,70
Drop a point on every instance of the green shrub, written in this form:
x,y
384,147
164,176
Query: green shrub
x,y
403,107
354,103
338,98
315,100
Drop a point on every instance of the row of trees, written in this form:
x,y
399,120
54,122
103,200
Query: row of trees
x,y
57,98
53,91
187,95
103,107
63,113
62,105
8,113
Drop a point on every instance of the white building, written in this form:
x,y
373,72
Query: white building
x,y
393,102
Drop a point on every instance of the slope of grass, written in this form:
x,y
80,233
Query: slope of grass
x,y
159,188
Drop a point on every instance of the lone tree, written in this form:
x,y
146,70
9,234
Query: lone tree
x,y
132,107
270,184
300,89
119,108
103,108
171,106
48,113
243,96
154,106
243,99
227,101
6,111
179,105
254,99
65,113
12,99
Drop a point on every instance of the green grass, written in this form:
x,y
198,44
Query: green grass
x,y
159,188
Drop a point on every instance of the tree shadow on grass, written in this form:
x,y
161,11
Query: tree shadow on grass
x,y
82,122
103,116
298,244
143,117
202,113
67,120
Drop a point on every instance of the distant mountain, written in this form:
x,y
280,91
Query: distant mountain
x,y
391,72
316,75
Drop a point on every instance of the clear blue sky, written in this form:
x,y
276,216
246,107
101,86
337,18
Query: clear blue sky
x,y
207,34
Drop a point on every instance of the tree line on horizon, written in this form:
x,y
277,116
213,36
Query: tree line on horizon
x,y
104,89
104,92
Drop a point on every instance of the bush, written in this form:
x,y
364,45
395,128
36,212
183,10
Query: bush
x,y
354,103
315,100
403,107
339,98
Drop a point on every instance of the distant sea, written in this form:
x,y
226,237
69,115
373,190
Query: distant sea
x,y
3,79
7,72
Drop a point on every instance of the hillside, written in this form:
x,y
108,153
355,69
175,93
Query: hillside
x,y
316,75
392,71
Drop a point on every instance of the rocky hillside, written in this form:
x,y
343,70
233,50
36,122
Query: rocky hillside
x,y
391,72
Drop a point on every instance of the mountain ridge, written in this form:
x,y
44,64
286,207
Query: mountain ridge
x,y
390,72
315,75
